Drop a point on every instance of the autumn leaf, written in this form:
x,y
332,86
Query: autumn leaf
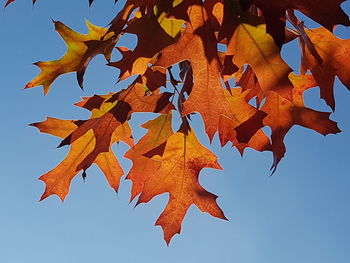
x,y
327,13
34,1
249,82
244,129
183,159
335,55
159,131
58,180
251,45
219,58
147,30
81,49
120,106
207,89
224,14
282,114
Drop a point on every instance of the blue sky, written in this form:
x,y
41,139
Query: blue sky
x,y
301,214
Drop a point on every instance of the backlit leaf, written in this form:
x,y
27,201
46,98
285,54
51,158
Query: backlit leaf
x,y
183,159
80,50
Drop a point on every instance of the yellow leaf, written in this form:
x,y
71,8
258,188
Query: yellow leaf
x,y
80,50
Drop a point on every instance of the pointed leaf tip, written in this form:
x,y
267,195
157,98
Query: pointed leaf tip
x,y
29,85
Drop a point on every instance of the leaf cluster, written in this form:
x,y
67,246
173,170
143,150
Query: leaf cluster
x,y
230,71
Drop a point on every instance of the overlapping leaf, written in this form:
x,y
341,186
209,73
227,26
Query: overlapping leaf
x,y
244,130
335,61
198,45
282,114
159,131
121,106
213,42
327,13
58,180
251,45
147,29
34,1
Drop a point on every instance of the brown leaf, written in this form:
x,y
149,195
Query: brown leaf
x,y
152,38
327,13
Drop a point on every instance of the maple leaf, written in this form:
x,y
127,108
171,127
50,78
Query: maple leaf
x,y
183,159
207,89
58,180
335,55
81,49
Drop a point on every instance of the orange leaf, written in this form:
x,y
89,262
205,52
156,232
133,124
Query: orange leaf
x,y
283,114
184,157
113,111
249,82
159,131
244,129
251,45
151,39
198,45
335,55
58,180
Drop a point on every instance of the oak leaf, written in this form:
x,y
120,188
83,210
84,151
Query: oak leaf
x,y
335,54
120,107
251,45
159,131
183,159
147,29
216,44
282,114
58,180
244,129
80,50
207,89
327,13
248,81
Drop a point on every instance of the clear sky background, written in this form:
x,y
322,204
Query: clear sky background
x,y
301,214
